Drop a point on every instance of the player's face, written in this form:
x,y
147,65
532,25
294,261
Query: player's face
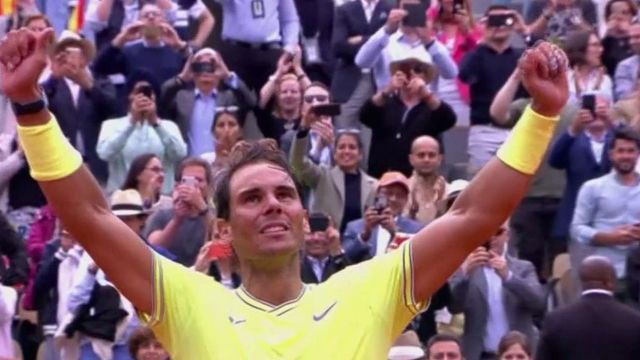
x,y
266,217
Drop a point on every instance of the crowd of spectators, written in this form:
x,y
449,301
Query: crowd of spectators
x,y
361,97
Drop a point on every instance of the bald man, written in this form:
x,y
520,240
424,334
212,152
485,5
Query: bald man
x,y
597,326
428,187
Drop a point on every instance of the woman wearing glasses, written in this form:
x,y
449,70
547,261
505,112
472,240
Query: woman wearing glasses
x,y
146,175
280,102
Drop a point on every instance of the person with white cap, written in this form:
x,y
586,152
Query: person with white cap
x,y
192,98
81,102
397,40
403,110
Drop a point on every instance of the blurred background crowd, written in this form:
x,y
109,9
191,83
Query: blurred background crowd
x,y
385,110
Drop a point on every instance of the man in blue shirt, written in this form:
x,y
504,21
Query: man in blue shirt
x,y
607,215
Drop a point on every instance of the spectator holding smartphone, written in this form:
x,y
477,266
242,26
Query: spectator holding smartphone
x,y
619,14
182,229
371,235
555,19
340,191
323,255
217,258
140,132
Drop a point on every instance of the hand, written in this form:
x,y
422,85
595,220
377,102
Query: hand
x,y
583,117
398,81
79,75
355,40
388,222
171,37
520,26
603,111
221,67
193,197
394,19
544,75
324,128
181,209
335,247
462,18
478,258
418,87
57,64
203,261
308,119
285,64
297,61
499,263
128,34
627,234
23,57
186,75
371,219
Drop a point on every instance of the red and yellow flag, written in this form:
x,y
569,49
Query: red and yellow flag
x,y
7,6
76,20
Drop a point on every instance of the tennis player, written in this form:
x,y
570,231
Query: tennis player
x,y
356,314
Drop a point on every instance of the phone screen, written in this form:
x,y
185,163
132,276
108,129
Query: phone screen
x,y
589,102
327,109
381,203
146,90
318,222
497,20
416,14
189,180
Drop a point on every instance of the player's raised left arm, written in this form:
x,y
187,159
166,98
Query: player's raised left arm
x,y
440,248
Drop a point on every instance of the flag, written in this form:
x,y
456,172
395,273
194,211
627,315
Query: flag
x,y
76,20
7,7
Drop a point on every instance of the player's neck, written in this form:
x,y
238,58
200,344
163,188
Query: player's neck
x,y
274,285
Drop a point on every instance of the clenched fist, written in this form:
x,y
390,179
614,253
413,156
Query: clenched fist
x,y
23,57
543,69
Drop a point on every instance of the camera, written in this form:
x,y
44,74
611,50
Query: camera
x,y
381,202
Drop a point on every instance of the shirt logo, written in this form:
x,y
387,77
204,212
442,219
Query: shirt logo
x,y
236,321
324,313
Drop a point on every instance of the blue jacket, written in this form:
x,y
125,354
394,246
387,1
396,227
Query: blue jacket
x,y
574,155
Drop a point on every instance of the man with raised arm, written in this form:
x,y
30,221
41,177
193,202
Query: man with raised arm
x,y
356,314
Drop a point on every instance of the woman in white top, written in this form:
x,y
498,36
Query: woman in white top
x,y
588,75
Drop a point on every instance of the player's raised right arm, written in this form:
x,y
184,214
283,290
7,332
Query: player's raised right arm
x,y
67,184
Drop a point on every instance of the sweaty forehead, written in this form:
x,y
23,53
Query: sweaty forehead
x,y
259,176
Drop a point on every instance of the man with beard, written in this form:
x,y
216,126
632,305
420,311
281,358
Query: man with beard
x,y
427,186
607,214
626,76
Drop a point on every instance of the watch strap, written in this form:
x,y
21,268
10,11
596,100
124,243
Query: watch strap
x,y
28,108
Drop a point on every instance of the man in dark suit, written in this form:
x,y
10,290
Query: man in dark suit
x,y
582,153
596,326
497,293
192,98
354,22
79,102
383,224
322,255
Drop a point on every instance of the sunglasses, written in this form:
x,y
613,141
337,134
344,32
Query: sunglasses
x,y
319,98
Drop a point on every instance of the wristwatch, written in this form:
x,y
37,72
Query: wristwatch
x,y
33,107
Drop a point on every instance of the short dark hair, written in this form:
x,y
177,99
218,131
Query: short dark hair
x,y
514,338
575,46
36,17
137,167
609,6
140,337
625,133
195,161
355,133
442,338
248,153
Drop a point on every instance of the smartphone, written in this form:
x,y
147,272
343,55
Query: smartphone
x,y
318,222
220,250
203,67
145,90
380,203
331,109
416,14
189,180
498,20
589,102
